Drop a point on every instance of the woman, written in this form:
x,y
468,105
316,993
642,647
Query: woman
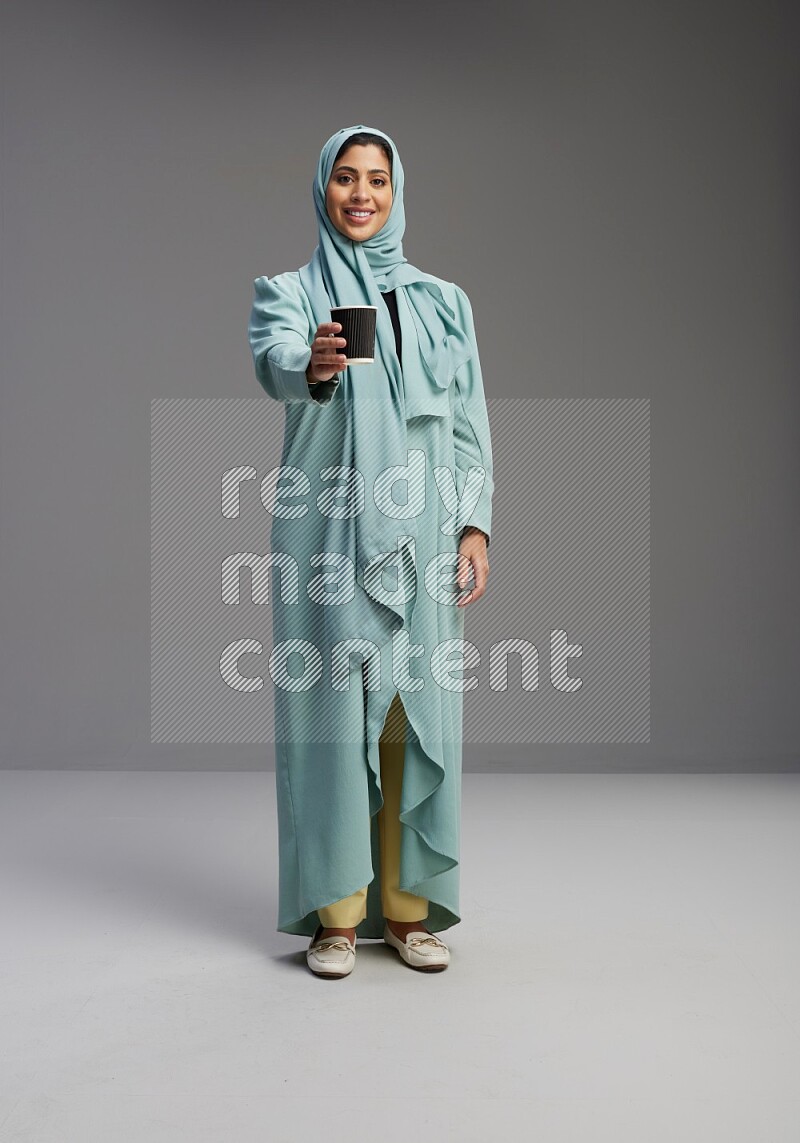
x,y
367,714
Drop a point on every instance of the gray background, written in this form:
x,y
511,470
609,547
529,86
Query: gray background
x,y
615,186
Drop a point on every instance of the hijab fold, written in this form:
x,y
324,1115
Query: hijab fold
x,y
382,396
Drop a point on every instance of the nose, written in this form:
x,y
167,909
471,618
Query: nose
x,y
360,194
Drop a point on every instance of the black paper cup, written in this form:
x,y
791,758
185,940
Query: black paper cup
x,y
358,329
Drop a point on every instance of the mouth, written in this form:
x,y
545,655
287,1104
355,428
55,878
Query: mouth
x,y
358,216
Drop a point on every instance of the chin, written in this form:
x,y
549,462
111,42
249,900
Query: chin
x,y
356,232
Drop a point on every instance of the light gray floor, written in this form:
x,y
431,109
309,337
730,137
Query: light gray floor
x,y
626,970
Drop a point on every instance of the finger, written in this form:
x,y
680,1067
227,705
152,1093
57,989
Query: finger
x,y
466,598
481,571
328,358
326,353
329,362
464,569
327,327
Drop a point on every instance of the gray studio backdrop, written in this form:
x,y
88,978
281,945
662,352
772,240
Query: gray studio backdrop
x,y
614,185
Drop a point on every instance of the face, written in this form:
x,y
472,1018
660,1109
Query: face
x,y
360,182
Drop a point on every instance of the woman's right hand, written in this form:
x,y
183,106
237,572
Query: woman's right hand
x,y
326,361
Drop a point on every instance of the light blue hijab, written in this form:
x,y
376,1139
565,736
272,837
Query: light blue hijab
x,y
380,397
352,273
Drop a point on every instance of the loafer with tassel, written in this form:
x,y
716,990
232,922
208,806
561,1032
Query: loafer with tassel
x,y
332,956
420,950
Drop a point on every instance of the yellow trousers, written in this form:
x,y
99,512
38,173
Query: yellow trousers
x,y
398,905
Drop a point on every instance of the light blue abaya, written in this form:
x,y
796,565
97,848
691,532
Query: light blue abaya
x,y
382,468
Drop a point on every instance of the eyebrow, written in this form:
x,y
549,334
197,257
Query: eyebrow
x,y
374,171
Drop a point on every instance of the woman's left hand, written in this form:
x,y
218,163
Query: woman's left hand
x,y
472,555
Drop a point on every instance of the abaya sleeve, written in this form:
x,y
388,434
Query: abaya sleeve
x,y
471,436
280,332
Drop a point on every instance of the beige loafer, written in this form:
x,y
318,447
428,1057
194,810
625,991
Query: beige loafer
x,y
332,956
420,950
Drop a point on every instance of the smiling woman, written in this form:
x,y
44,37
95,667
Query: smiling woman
x,y
369,830
358,197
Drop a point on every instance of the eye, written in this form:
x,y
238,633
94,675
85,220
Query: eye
x,y
378,179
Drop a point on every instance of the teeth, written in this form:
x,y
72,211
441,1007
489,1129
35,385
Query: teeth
x,y
359,213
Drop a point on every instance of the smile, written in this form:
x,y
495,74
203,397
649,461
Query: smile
x,y
359,215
